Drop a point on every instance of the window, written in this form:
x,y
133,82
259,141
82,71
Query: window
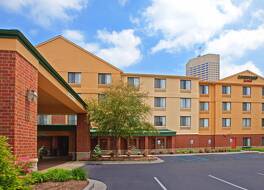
x,y
226,122
204,106
159,102
262,122
44,119
262,141
185,85
246,91
204,89
72,119
133,81
246,141
226,90
262,91
185,121
104,78
246,122
185,103
160,83
246,106
204,122
263,107
159,120
226,106
74,78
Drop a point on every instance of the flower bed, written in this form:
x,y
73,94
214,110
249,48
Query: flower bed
x,y
75,179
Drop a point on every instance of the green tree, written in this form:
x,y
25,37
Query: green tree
x,y
9,172
121,112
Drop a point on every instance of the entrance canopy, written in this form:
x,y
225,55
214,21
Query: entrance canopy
x,y
54,95
161,132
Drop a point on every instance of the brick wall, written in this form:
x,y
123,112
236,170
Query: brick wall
x,y
83,144
18,116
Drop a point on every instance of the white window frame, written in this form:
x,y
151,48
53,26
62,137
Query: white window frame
x,y
187,123
246,122
185,103
246,91
159,102
133,81
159,83
204,122
74,77
107,80
204,89
226,122
161,122
246,106
226,90
226,106
204,103
185,84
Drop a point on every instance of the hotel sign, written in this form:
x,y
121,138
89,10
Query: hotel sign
x,y
247,78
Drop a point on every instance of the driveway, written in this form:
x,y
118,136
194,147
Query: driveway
x,y
213,172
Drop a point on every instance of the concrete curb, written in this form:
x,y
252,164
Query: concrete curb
x,y
95,185
124,162
213,153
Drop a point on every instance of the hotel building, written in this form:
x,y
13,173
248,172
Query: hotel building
x,y
52,81
205,67
190,113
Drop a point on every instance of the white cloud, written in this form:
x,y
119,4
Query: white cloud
x,y
258,15
228,69
122,48
234,44
44,12
185,23
122,2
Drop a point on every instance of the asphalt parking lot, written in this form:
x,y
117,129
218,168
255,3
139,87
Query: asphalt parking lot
x,y
200,172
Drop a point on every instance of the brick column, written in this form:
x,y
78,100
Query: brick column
x,y
118,145
173,143
83,143
18,115
146,145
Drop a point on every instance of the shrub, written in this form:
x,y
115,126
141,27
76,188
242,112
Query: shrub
x,y
79,174
58,175
97,152
9,178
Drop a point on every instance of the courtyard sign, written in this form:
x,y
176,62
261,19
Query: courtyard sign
x,y
247,78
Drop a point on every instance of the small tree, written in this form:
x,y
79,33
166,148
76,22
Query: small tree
x,y
9,172
122,112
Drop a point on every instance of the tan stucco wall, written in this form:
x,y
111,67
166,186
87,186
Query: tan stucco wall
x,y
216,98
46,81
66,57
172,95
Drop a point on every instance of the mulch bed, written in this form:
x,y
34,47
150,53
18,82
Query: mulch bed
x,y
126,158
67,185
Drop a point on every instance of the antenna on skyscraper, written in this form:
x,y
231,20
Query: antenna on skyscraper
x,y
199,51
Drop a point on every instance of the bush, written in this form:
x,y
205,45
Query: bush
x,y
97,152
9,178
58,175
79,174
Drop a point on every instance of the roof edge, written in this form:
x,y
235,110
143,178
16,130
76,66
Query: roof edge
x,y
4,33
81,48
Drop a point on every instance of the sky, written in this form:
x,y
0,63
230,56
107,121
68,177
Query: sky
x,y
148,36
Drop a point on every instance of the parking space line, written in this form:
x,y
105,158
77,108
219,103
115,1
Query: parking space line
x,y
226,182
161,185
260,173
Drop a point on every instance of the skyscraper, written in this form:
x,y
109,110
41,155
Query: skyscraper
x,y
205,67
